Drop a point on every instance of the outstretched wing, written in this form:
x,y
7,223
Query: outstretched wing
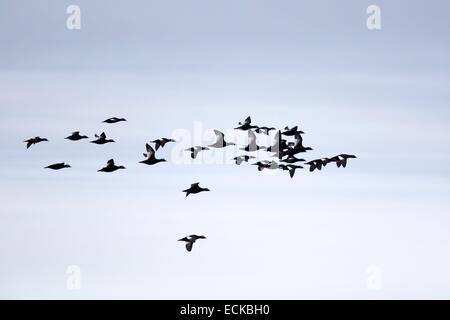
x,y
103,135
195,184
75,133
248,120
110,162
189,246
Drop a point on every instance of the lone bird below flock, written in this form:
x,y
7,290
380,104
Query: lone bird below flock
x,y
114,120
191,240
57,166
111,167
75,136
161,142
195,150
101,139
220,141
34,140
151,159
195,188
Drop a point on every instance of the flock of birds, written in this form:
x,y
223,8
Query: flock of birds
x,y
282,149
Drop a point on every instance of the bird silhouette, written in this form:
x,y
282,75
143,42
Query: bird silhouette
x,y
161,142
315,164
110,167
240,159
195,150
195,188
342,159
58,166
191,240
266,164
114,120
75,136
292,159
220,141
246,125
291,168
101,139
34,140
151,159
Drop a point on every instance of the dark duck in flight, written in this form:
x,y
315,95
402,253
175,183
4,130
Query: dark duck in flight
x,y
297,148
34,140
341,160
246,125
195,188
291,168
191,240
266,164
110,167
241,159
151,158
57,166
75,136
252,146
101,139
195,150
114,120
220,141
161,142
316,164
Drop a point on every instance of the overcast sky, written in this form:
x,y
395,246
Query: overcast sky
x,y
174,67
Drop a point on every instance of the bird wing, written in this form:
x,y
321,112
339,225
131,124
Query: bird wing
x,y
103,135
189,246
75,133
29,143
219,134
248,120
110,162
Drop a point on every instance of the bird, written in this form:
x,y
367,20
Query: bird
x,y
342,159
191,240
265,164
220,141
151,159
101,139
75,136
195,188
241,159
278,146
114,120
34,140
291,168
292,159
314,164
297,148
264,130
195,150
58,166
246,125
111,167
292,131
161,142
252,146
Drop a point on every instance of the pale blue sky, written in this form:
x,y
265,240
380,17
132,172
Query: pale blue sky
x,y
164,65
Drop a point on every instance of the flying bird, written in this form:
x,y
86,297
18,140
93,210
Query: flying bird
x,y
246,125
241,159
265,164
291,168
114,120
75,136
161,142
316,164
110,167
292,159
101,139
195,188
191,240
195,150
151,158
57,166
220,141
292,131
342,159
34,140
